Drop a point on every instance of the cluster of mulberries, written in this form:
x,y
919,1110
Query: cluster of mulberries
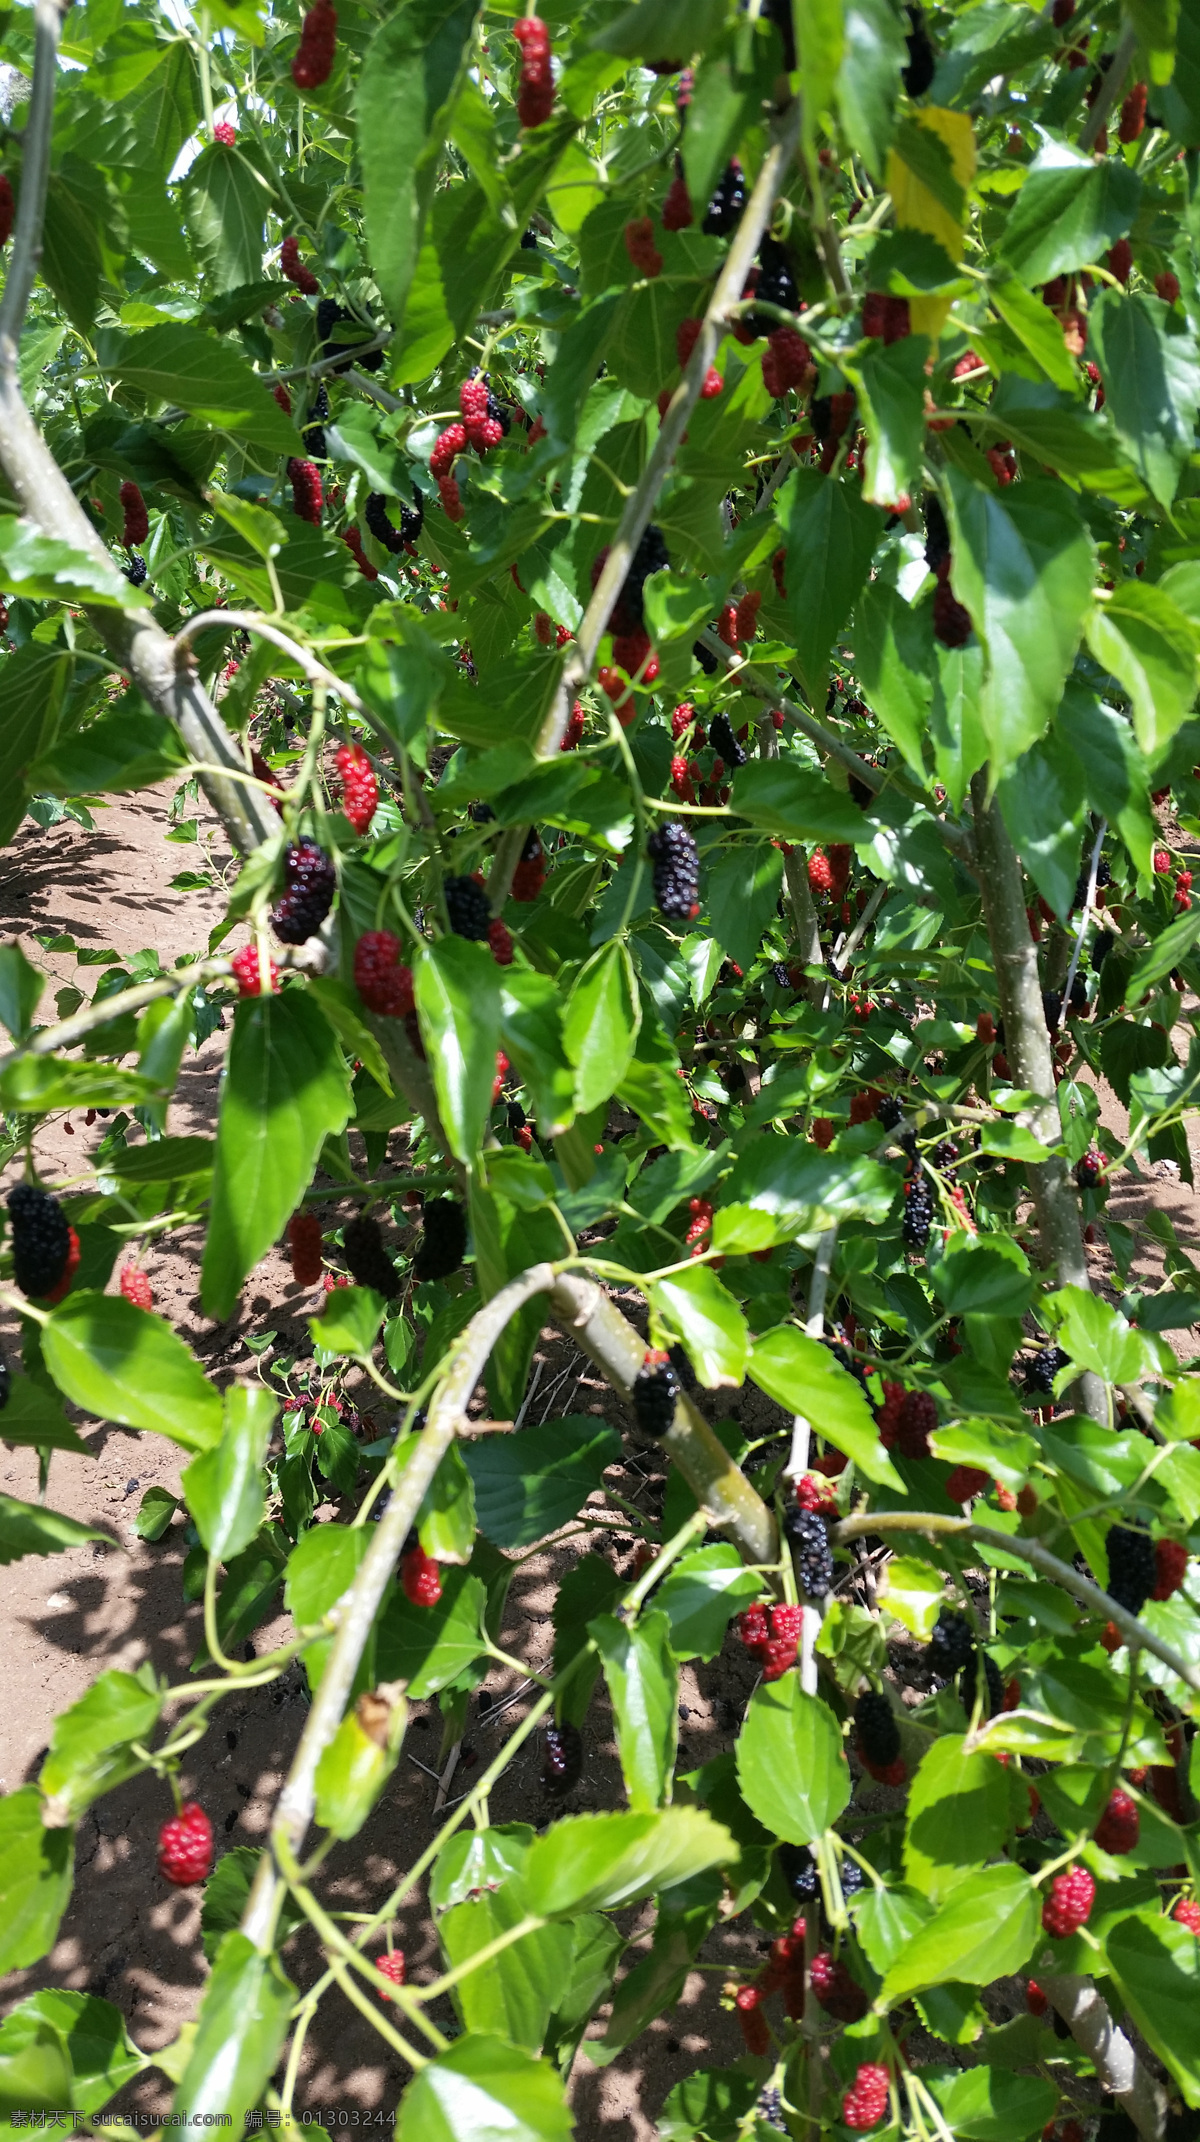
x,y
672,850
655,1393
530,873
485,420
771,1634
724,211
535,90
364,1252
378,520
313,433
444,1243
811,1551
906,1420
382,981
1039,1371
304,1244
562,1758
1132,1568
137,520
45,1245
307,495
294,269
467,908
310,881
135,571
313,63
360,789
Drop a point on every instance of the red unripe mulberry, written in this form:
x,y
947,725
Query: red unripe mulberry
x,y
448,443
421,1578
313,63
1167,286
640,246
136,1288
1133,114
1070,1900
185,1846
1187,1913
304,1243
866,2101
353,542
360,789
307,497
293,267
1117,1829
137,520
677,211
1120,260
500,941
383,983
1170,1566
247,972
391,1969
451,498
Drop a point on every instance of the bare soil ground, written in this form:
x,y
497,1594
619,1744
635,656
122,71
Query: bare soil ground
x,y
70,1616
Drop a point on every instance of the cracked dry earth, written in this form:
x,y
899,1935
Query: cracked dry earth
x,y
70,1616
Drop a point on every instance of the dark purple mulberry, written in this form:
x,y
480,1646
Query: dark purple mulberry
x,y
41,1239
311,881
364,1252
562,1762
444,1242
724,742
672,850
655,1394
876,1731
1132,1569
811,1551
467,907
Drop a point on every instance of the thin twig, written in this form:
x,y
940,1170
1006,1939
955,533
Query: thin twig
x,y
1110,88
249,621
1081,932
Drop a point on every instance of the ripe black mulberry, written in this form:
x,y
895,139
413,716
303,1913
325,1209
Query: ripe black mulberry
x,y
875,1729
311,881
444,1243
562,1761
811,1551
951,1644
41,1240
724,742
724,211
672,850
364,1252
313,433
1132,1569
655,1394
467,907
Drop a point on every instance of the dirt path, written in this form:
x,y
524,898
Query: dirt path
x,y
72,1615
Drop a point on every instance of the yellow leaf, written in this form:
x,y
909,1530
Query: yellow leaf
x,y
917,209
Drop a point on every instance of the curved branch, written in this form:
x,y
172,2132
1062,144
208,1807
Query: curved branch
x,y
1027,1046
1082,1588
1117,2066
356,1611
585,1313
640,505
250,621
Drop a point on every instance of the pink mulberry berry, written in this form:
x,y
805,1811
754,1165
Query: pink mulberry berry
x,y
360,789
185,1846
1066,1907
294,269
866,2101
307,498
136,1288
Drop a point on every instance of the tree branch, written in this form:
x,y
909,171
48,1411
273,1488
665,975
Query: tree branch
x,y
43,494
639,507
356,1611
1027,1047
1117,2066
932,1525
585,1313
